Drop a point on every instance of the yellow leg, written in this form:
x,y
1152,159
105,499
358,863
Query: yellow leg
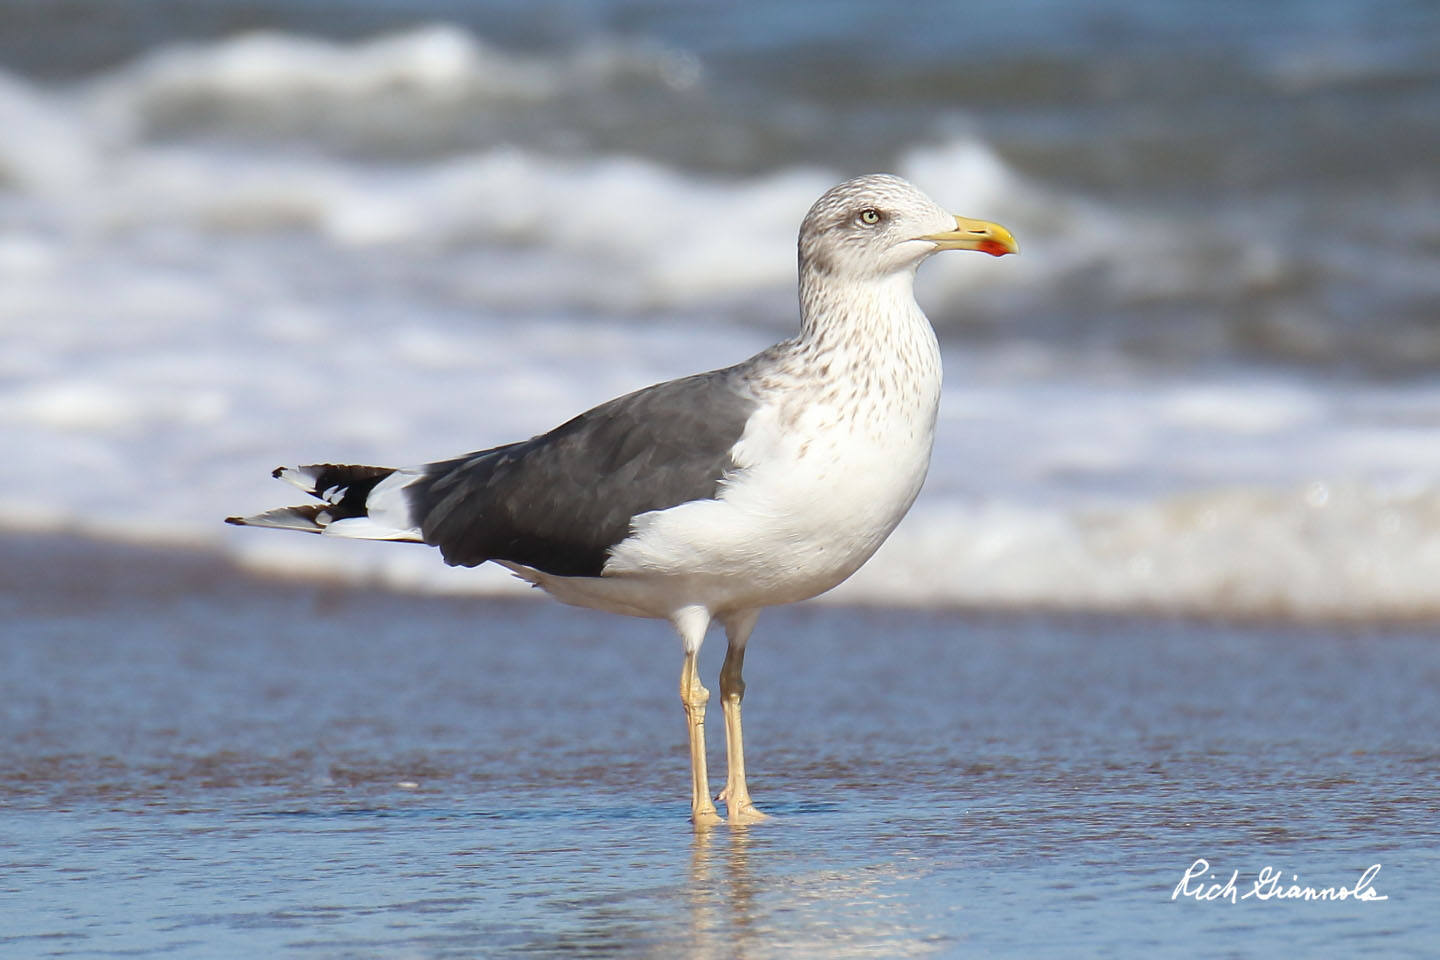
x,y
694,697
736,795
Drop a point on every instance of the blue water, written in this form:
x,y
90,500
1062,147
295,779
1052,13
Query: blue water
x,y
201,764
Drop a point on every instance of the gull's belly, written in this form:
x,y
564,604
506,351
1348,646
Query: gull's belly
x,y
811,508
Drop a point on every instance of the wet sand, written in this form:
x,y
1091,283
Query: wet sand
x,y
201,762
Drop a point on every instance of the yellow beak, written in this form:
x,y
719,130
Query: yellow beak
x,y
979,235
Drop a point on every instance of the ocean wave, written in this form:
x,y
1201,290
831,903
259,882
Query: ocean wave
x,y
279,81
1316,552
613,231
519,225
458,162
610,233
616,234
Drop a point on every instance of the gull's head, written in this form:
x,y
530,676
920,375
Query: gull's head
x,y
878,225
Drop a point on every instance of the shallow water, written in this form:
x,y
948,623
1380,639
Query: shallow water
x,y
204,764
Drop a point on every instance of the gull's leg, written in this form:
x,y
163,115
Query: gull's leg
x,y
736,794
691,623
694,697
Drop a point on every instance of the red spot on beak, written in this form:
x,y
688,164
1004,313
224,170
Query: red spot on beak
x,y
993,247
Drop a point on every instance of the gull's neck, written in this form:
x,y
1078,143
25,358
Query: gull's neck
x,y
871,319
868,348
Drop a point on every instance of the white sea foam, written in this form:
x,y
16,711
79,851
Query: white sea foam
x,y
436,61
181,315
1312,551
426,67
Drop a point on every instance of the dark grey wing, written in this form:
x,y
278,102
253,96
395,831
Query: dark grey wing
x,y
560,501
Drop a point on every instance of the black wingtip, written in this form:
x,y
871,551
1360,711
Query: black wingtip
x,y
276,472
238,521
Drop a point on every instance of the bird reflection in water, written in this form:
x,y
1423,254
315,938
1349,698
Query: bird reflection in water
x,y
724,894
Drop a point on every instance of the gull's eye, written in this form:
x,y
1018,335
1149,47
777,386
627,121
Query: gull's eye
x,y
869,216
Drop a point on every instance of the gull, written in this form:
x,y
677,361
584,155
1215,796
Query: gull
x,y
710,497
